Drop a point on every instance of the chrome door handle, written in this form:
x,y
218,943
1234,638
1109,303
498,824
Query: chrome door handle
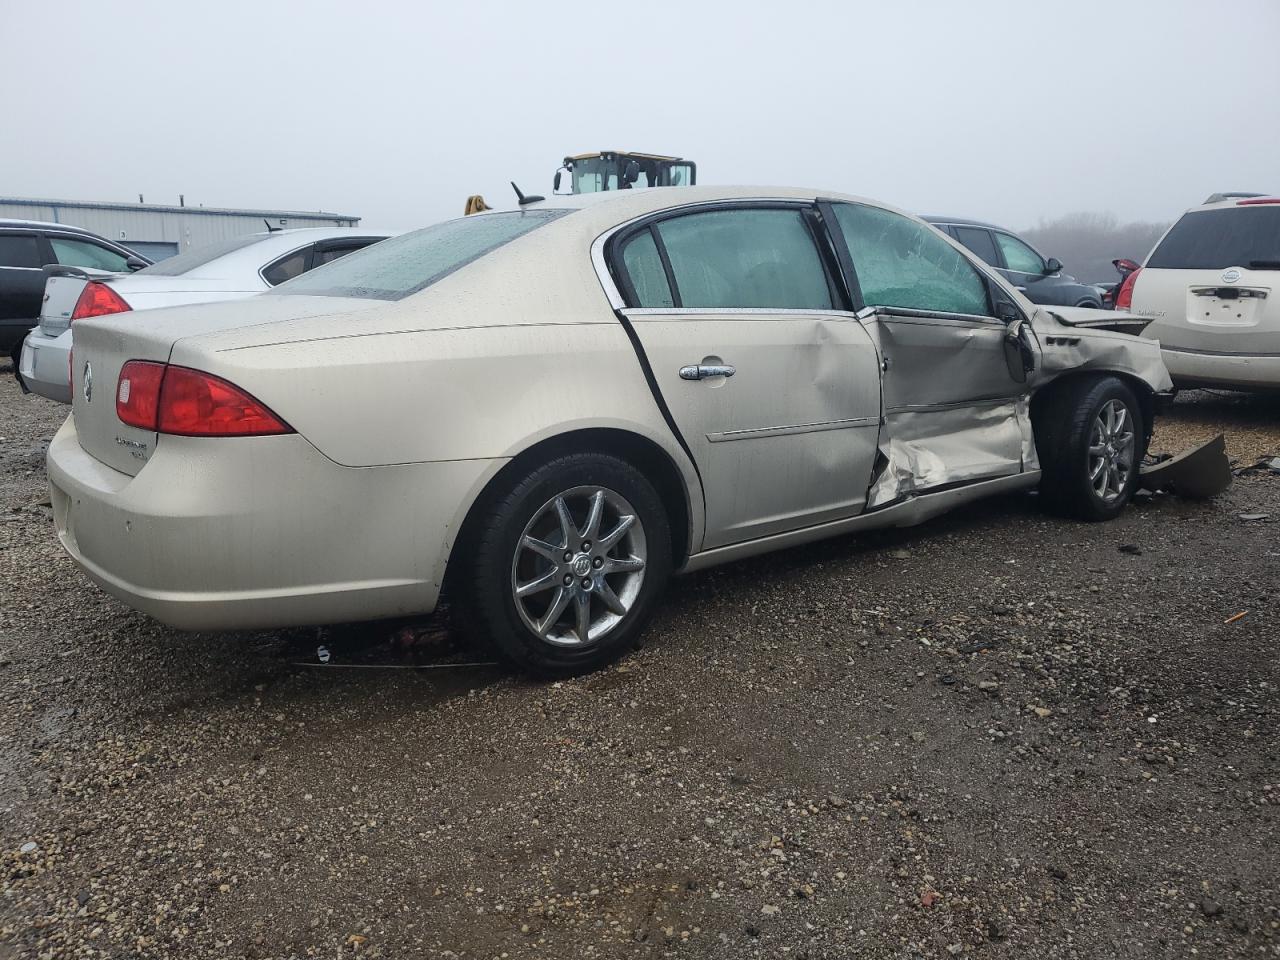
x,y
701,371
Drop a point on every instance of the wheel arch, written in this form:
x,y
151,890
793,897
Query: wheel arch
x,y
1141,390
641,452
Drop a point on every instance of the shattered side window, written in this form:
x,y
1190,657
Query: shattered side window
x,y
902,263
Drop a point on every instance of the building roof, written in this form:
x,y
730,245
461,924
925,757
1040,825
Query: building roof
x,y
166,208
43,225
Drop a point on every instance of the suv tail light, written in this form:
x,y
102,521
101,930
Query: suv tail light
x,y
98,300
1124,296
191,403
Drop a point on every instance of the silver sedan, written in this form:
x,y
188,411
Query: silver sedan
x,y
230,270
546,411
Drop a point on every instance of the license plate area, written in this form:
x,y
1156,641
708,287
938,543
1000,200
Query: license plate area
x,y
1225,306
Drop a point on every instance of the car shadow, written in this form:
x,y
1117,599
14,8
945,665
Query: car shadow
x,y
389,665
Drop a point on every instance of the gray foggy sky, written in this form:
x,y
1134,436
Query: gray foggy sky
x,y
396,111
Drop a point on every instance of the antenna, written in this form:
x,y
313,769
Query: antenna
x,y
522,198
270,228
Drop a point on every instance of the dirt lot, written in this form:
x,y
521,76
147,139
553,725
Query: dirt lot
x,y
996,735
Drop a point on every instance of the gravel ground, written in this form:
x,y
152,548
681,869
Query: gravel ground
x,y
996,735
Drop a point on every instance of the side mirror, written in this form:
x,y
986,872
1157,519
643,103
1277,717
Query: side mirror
x,y
1007,312
631,172
558,179
135,264
1053,266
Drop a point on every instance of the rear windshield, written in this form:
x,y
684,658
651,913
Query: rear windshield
x,y
1213,239
186,262
395,268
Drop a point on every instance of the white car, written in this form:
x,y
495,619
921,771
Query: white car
x,y
231,270
1211,289
551,409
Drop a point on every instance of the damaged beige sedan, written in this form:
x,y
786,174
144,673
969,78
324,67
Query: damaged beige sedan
x,y
547,411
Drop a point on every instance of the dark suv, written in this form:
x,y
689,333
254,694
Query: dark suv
x,y
25,247
1021,264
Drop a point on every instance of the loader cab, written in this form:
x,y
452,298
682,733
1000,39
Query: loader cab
x,y
616,170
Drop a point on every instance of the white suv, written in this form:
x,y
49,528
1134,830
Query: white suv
x,y
1212,289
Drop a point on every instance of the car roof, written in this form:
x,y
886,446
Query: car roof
x,y
965,222
44,225
258,250
1228,201
611,204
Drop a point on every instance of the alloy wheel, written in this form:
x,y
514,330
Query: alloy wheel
x,y
578,566
1112,443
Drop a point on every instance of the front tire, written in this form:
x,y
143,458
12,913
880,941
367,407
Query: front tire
x,y
565,564
1090,438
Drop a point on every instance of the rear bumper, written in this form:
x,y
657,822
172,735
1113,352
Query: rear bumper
x,y
1235,371
259,532
43,367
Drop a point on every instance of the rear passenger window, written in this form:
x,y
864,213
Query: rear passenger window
x,y
902,263
744,259
329,254
643,266
19,251
980,242
286,268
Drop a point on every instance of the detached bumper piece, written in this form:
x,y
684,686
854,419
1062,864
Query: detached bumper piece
x,y
1198,473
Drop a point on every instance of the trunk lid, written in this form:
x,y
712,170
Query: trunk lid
x,y
142,292
62,289
103,345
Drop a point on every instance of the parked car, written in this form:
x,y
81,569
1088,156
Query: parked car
x,y
552,408
231,270
1209,288
25,247
1040,279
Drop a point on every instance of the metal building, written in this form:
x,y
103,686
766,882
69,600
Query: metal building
x,y
159,231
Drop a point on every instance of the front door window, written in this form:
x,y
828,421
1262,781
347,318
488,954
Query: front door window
x,y
1018,256
903,263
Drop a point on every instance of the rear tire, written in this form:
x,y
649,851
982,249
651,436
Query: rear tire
x,y
564,565
1090,438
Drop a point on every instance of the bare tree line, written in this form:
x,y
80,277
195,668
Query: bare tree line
x,y
1086,243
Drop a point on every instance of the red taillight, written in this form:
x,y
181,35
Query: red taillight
x,y
138,393
199,404
1124,296
1257,201
179,400
98,300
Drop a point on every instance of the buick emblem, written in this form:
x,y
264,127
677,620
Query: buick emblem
x,y
88,382
581,565
1230,276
